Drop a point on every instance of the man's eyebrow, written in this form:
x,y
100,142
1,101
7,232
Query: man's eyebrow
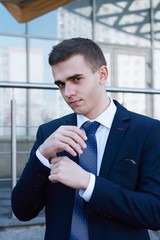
x,y
69,78
74,76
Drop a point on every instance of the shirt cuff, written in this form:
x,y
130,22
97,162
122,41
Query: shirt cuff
x,y
86,194
42,159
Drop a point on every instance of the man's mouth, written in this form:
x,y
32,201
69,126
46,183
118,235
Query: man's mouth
x,y
75,102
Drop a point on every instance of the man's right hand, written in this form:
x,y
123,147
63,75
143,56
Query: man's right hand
x,y
68,138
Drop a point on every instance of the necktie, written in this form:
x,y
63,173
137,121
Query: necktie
x,y
88,161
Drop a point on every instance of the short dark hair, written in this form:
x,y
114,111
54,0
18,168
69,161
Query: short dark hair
x,y
74,46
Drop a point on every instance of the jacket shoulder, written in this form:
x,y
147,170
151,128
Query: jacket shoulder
x,y
49,127
136,120
126,114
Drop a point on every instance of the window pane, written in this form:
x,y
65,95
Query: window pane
x,y
45,25
156,84
123,22
40,70
135,102
156,69
12,69
71,20
12,59
5,117
74,19
156,26
131,72
21,111
46,105
9,24
5,109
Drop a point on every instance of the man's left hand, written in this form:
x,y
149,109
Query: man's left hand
x,y
69,173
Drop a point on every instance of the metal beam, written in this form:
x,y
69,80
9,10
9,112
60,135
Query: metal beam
x,y
53,87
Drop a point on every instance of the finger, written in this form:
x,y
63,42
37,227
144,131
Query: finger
x,y
76,138
69,149
72,135
64,142
56,160
76,130
55,174
52,178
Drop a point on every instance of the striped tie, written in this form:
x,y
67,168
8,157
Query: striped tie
x,y
88,161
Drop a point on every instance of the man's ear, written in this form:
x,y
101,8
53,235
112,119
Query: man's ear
x,y
103,75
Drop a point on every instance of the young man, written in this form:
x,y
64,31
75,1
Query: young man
x,y
120,198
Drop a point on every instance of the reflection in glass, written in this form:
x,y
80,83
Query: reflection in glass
x,y
74,19
123,22
5,109
46,105
45,25
12,59
5,119
156,26
156,83
9,24
40,70
131,72
135,102
12,69
71,20
21,103
117,22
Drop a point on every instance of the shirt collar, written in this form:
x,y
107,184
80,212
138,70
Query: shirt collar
x,y
105,118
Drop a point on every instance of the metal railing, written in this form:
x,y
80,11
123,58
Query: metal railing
x,y
53,87
50,87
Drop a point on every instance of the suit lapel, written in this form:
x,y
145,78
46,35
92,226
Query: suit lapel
x,y
70,119
116,135
117,132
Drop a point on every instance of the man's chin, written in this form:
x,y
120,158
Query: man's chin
x,y
77,110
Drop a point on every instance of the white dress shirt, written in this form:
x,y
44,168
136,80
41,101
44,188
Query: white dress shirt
x,y
105,119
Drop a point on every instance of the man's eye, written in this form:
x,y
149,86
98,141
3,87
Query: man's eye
x,y
76,79
60,84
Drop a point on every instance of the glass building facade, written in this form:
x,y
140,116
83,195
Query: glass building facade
x,y
128,33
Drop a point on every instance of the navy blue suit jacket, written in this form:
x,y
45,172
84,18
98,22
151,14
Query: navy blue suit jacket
x,y
126,198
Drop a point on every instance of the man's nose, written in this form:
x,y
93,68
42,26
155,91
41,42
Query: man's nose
x,y
69,90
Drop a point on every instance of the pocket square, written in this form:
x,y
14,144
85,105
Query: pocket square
x,y
130,160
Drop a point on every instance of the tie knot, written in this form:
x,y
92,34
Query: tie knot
x,y
90,127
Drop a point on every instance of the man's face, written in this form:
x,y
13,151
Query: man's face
x,y
80,87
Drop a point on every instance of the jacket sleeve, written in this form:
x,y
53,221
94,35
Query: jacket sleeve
x,y
28,196
140,207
